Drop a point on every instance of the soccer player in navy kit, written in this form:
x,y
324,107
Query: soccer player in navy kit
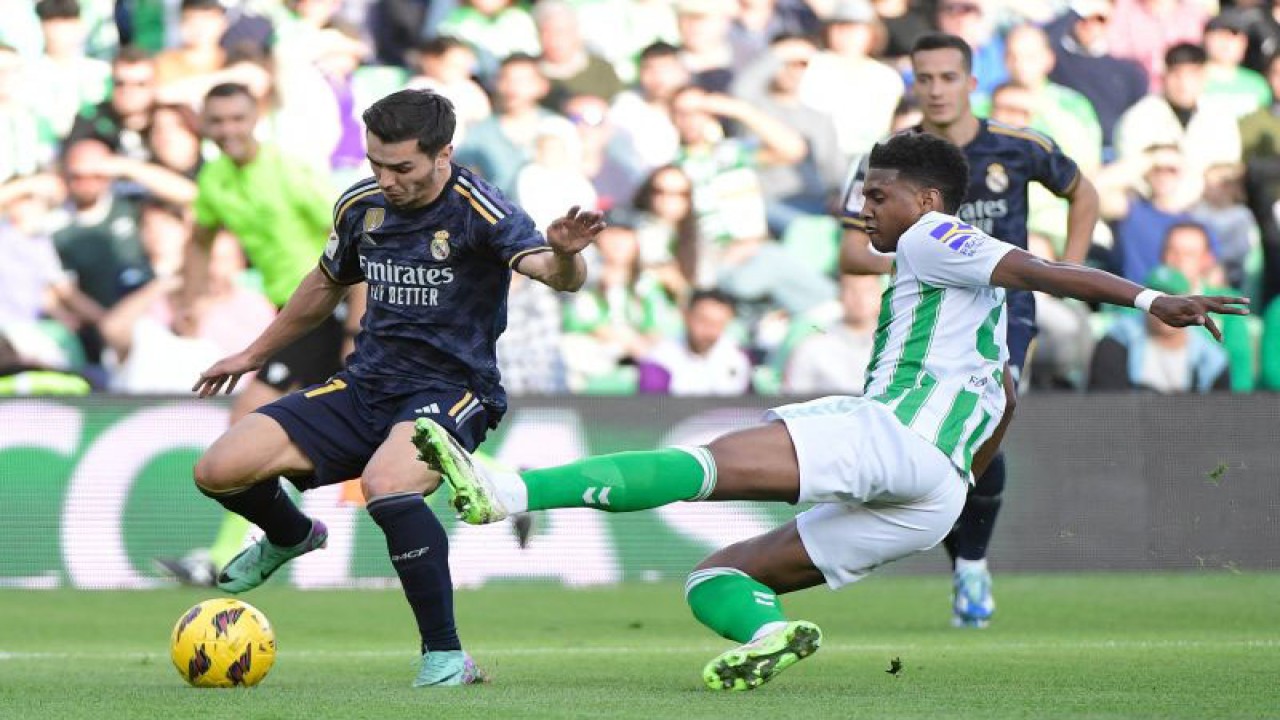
x,y
437,246
1003,162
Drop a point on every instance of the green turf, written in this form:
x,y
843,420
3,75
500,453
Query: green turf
x,y
1194,645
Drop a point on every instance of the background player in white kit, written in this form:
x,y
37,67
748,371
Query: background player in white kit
x,y
889,471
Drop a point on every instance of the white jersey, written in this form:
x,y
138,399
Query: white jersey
x,y
940,343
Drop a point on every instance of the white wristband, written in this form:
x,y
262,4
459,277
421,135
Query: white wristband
x,y
1145,298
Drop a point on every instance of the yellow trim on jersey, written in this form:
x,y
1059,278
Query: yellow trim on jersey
x,y
337,216
363,185
1022,135
466,398
524,253
1071,188
335,280
475,204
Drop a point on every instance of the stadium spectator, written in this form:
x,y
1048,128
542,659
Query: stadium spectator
x,y
26,143
706,360
852,39
33,283
1189,249
904,22
99,244
174,140
64,79
1058,111
160,336
448,65
123,121
772,84
643,113
566,62
498,146
1205,132
620,316
1146,30
1227,81
667,229
554,179
705,48
495,29
758,23
834,359
1141,353
608,159
1083,62
530,358
1150,210
397,27
1222,210
201,24
976,24
1260,143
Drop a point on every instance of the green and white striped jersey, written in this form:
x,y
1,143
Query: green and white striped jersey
x,y
940,348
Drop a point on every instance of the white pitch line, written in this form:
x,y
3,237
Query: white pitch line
x,y
668,650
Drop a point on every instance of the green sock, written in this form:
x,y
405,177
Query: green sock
x,y
731,603
230,539
624,482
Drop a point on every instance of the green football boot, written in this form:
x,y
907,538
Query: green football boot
x,y
474,496
749,666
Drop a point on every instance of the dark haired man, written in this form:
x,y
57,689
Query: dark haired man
x,y
888,471
1003,162
436,246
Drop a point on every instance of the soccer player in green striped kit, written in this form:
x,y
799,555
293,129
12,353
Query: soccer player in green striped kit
x,y
888,472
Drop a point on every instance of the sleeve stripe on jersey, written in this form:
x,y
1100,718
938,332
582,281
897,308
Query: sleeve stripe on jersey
x,y
476,205
356,189
335,280
477,194
855,223
337,216
530,251
1034,137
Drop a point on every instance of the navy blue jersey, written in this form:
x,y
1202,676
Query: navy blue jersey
x,y
1003,162
438,279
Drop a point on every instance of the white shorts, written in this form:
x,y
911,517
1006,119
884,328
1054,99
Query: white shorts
x,y
885,492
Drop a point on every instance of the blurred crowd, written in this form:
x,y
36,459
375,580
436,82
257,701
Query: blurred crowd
x,y
717,135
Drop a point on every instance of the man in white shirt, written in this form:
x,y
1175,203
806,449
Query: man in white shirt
x,y
707,361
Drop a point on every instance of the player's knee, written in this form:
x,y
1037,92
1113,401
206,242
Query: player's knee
x,y
215,472
731,556
377,483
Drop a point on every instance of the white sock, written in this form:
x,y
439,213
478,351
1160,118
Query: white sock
x,y
962,564
767,628
512,492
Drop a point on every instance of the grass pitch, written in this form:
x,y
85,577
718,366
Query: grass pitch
x,y
1193,645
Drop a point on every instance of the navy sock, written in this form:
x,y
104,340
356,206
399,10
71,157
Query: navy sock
x,y
419,549
269,507
972,533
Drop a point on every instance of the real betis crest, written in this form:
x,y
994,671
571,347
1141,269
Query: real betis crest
x,y
440,245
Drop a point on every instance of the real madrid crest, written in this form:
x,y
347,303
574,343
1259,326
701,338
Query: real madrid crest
x,y
440,245
997,178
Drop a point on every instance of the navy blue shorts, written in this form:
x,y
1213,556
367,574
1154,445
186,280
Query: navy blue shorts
x,y
340,424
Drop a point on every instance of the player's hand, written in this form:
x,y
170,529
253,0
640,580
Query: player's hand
x,y
1183,311
571,234
225,374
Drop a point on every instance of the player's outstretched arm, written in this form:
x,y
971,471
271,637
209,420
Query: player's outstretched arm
x,y
1020,270
857,257
568,236
313,301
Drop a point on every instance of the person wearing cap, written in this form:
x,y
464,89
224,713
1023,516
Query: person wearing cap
x,y
1084,63
1140,353
854,37
1227,82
